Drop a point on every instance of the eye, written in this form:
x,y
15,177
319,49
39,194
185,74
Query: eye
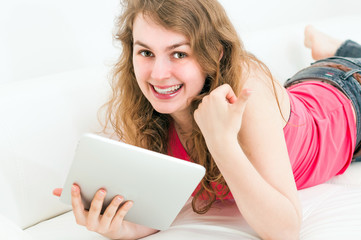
x,y
179,55
146,53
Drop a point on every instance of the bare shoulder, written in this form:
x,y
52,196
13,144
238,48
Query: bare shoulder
x,y
269,97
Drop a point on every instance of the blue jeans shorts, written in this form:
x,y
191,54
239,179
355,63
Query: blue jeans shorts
x,y
343,80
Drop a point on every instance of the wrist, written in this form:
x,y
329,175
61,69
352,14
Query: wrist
x,y
135,231
223,148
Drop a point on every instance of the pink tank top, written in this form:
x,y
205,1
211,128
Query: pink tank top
x,y
320,134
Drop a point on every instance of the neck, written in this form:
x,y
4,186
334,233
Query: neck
x,y
183,122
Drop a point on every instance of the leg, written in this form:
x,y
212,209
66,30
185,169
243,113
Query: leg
x,y
324,46
321,45
349,49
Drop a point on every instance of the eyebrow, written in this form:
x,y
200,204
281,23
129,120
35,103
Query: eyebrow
x,y
173,46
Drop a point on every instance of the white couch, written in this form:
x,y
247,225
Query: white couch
x,y
44,113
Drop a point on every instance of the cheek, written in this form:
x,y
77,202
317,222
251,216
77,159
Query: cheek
x,y
136,67
197,79
192,74
140,70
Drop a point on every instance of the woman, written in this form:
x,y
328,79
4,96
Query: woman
x,y
184,85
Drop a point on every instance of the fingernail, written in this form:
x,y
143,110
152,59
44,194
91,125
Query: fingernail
x,y
73,188
129,204
102,192
118,200
249,92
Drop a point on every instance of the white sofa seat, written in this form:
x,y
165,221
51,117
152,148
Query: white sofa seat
x,y
330,211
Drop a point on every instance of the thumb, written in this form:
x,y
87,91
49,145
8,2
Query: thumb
x,y
241,101
246,93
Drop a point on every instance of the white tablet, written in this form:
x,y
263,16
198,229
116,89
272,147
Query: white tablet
x,y
158,184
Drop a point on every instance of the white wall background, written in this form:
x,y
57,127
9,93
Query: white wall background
x,y
41,37
261,14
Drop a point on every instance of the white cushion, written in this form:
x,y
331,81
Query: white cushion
x,y
10,231
41,121
62,227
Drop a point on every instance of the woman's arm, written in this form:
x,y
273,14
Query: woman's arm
x,y
254,163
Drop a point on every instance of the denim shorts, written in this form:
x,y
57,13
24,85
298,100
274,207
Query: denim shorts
x,y
342,80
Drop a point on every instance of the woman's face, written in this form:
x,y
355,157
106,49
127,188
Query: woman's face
x,y
166,70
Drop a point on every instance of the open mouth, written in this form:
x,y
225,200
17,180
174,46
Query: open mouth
x,y
167,90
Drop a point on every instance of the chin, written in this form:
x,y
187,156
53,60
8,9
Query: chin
x,y
163,110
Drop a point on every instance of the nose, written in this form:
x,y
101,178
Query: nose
x,y
161,68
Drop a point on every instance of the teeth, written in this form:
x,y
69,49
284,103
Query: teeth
x,y
169,90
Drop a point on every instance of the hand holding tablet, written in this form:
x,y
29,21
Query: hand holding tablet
x,y
158,185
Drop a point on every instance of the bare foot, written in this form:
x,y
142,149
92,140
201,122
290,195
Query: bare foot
x,y
321,44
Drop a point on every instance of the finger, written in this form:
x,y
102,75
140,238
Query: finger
x,y
226,91
245,94
95,209
109,214
241,102
119,216
231,96
57,192
78,207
